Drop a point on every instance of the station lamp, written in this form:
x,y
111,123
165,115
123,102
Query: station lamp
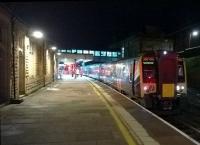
x,y
53,48
58,53
37,34
195,33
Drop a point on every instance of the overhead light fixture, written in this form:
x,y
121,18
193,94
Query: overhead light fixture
x,y
195,33
37,34
53,48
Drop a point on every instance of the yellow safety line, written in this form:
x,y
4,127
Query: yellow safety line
x,y
125,132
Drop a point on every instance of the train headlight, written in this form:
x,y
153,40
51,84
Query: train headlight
x,y
164,52
145,88
182,87
177,88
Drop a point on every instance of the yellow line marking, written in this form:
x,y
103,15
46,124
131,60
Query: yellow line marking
x,y
125,132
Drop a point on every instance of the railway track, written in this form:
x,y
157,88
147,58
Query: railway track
x,y
187,126
189,119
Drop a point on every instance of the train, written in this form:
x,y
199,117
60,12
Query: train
x,y
155,79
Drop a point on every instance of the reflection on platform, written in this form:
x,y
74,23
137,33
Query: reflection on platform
x,y
70,77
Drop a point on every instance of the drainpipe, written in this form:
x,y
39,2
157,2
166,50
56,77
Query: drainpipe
x,y
13,51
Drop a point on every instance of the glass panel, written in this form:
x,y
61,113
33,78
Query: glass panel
x,y
114,54
149,76
91,52
85,52
97,53
109,54
73,50
63,50
79,51
103,53
69,51
181,74
122,52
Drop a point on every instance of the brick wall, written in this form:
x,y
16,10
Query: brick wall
x,y
26,69
37,64
5,54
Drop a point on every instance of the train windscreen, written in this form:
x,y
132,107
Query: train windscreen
x,y
181,73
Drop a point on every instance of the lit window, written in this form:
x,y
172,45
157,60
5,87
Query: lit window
x,y
103,53
69,51
114,54
109,54
63,50
79,51
73,50
97,53
122,52
92,52
85,52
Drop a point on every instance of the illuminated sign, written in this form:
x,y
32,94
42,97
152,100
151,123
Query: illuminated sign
x,y
148,60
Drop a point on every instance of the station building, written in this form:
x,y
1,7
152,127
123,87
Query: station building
x,y
150,39
73,59
27,63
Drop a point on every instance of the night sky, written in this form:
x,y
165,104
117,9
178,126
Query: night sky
x,y
90,24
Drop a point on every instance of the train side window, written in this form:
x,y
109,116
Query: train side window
x,y
130,77
149,75
180,70
131,72
181,73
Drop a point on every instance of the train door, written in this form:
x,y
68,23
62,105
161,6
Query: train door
x,y
130,78
119,73
181,87
136,78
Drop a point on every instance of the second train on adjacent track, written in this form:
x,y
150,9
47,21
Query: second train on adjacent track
x,y
155,79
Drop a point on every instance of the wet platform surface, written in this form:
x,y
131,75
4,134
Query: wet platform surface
x,y
70,112
65,113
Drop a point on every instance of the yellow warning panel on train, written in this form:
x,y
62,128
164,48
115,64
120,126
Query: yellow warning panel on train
x,y
168,90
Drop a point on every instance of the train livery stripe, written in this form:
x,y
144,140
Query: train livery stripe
x,y
125,132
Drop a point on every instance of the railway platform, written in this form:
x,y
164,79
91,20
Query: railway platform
x,y
83,112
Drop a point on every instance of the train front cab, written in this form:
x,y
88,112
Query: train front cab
x,y
145,80
172,80
159,80
167,68
181,87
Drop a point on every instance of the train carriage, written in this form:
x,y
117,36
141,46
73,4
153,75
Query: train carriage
x,y
156,79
